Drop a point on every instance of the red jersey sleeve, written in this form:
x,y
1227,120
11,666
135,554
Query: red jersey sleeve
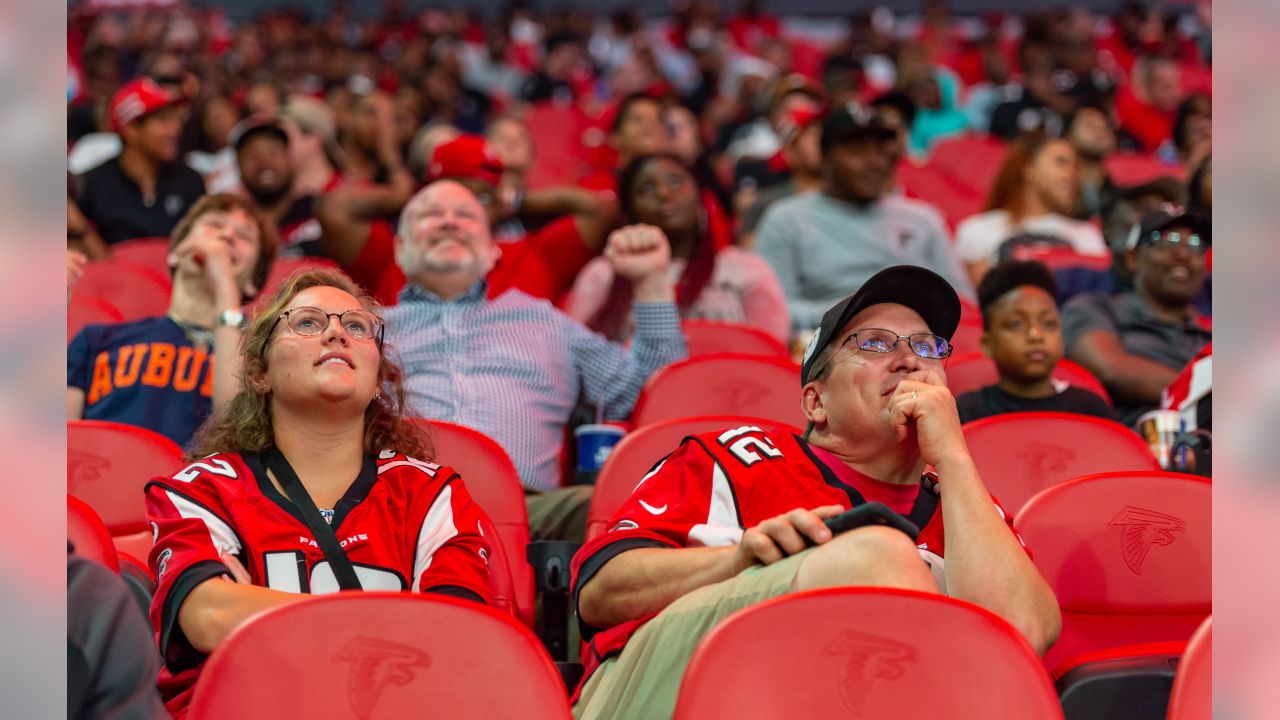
x,y
192,531
375,269
544,263
450,552
684,501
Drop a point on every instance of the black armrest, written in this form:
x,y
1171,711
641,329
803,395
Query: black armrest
x,y
551,560
1119,688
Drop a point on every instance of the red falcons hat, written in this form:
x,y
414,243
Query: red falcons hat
x,y
137,99
795,120
467,156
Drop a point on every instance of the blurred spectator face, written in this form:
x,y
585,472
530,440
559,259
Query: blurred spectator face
x,y
894,118
239,231
1091,134
266,170
805,152
157,134
925,94
665,194
1025,337
562,59
444,230
169,72
860,168
407,106
220,117
1172,274
364,122
510,140
641,130
263,99
1164,85
686,141
1052,175
1077,54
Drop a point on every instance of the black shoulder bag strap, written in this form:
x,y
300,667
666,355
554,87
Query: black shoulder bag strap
x,y
321,530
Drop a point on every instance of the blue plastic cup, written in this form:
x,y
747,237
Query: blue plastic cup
x,y
595,442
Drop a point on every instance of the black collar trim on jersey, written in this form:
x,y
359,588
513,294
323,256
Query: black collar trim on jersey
x,y
354,495
922,510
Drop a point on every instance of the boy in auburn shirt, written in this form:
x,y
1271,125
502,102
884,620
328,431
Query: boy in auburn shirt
x,y
159,373
1023,336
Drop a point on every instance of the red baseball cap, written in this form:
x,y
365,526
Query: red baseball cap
x,y
466,156
797,119
138,98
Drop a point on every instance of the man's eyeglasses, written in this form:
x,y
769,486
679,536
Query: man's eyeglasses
x,y
310,321
1171,240
878,340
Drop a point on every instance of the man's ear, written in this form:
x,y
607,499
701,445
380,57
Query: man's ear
x,y
811,403
1131,261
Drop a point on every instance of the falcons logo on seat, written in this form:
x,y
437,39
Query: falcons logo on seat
x,y
1142,529
868,658
85,467
375,664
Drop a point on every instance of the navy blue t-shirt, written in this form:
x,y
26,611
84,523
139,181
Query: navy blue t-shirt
x,y
145,373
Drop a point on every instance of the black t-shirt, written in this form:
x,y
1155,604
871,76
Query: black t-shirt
x,y
991,400
114,203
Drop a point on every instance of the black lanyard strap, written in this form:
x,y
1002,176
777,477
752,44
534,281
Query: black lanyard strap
x,y
323,532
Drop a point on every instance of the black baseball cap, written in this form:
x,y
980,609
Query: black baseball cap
x,y
254,126
915,287
1167,216
852,120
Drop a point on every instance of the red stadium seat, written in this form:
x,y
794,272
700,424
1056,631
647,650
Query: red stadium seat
x,y
722,384
1127,169
865,653
954,200
1192,697
1056,258
1126,553
491,478
380,655
641,449
1020,454
707,338
108,464
84,311
152,252
89,534
284,267
136,291
974,371
967,338
970,312
971,160
558,134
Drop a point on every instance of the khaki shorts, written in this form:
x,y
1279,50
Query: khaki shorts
x,y
644,680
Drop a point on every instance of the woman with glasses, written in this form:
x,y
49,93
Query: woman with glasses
x,y
716,281
311,480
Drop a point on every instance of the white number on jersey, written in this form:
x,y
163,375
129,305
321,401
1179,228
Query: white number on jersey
x,y
216,466
745,446
284,572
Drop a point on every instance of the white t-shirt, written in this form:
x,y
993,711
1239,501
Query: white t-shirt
x,y
979,237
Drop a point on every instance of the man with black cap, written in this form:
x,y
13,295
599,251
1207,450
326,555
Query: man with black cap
x,y
724,521
824,245
1136,342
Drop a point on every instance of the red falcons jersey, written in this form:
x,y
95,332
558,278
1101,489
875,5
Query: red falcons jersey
x,y
405,524
1191,392
716,485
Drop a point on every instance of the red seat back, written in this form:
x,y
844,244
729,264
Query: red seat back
x,y
282,268
967,338
136,291
956,201
1127,555
84,311
152,252
1020,454
491,478
865,653
1192,697
971,160
1127,169
706,338
89,534
723,384
641,449
383,655
108,465
974,371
